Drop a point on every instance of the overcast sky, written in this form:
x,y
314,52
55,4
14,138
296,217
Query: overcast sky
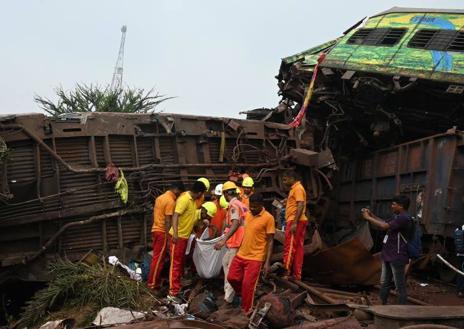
x,y
217,57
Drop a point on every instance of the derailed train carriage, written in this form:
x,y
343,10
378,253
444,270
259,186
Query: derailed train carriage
x,y
55,199
388,103
386,93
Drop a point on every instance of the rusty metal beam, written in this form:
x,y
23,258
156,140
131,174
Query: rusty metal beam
x,y
316,292
148,166
77,223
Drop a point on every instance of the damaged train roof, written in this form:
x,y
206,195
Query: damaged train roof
x,y
424,43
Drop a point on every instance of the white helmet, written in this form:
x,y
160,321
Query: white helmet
x,y
218,189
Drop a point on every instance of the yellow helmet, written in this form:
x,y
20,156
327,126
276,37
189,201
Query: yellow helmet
x,y
248,182
223,202
204,181
210,207
229,186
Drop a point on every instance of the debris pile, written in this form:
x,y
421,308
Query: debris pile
x,y
369,123
79,287
281,303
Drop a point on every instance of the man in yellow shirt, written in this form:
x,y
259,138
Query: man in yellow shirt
x,y
163,209
255,250
184,219
296,223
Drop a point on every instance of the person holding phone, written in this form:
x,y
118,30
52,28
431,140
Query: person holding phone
x,y
394,249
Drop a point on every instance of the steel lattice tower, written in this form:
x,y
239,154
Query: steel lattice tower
x,y
116,83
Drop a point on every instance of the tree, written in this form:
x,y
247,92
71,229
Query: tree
x,y
92,98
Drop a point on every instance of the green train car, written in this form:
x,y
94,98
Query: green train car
x,y
394,77
422,43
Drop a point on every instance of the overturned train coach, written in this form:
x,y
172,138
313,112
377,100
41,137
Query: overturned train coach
x,y
396,77
56,199
392,78
388,103
386,92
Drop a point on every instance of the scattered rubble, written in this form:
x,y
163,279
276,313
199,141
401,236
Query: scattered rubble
x,y
281,303
380,117
95,286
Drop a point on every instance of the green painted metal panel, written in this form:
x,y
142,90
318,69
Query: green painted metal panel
x,y
401,59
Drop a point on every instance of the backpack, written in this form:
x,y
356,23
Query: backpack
x,y
414,241
459,241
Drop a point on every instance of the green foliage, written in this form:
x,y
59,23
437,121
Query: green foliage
x,y
90,98
78,285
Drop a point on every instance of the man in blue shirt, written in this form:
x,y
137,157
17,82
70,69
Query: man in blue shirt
x,y
394,250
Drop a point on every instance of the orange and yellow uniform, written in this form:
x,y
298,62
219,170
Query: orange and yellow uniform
x,y
188,216
235,211
217,222
294,243
163,207
245,199
245,267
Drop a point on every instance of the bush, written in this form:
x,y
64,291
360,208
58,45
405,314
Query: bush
x,y
89,98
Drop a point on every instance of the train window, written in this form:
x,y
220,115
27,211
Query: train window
x,y
377,37
458,43
392,37
443,40
359,36
422,38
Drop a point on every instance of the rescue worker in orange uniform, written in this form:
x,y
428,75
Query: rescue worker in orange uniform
x,y
163,209
183,221
255,251
247,190
234,231
217,222
296,223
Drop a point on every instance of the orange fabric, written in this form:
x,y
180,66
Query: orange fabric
x,y
297,193
254,244
217,221
246,200
163,206
294,249
243,276
235,206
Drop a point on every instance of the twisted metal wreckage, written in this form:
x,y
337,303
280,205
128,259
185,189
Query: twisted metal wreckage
x,y
56,198
376,121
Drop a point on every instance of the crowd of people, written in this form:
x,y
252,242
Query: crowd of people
x,y
237,214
